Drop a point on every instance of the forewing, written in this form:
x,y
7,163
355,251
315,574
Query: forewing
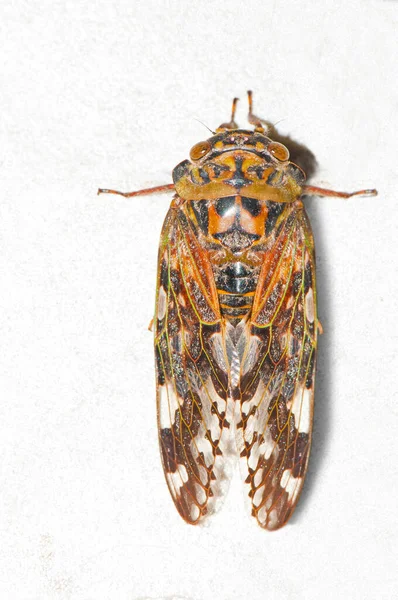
x,y
192,370
277,375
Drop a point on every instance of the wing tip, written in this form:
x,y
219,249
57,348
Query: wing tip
x,y
272,520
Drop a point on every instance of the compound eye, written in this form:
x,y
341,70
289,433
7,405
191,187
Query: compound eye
x,y
279,151
200,150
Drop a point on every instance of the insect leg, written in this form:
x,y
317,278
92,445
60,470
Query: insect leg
x,y
311,190
261,125
159,188
231,124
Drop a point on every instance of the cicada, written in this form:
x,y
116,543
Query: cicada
x,y
236,323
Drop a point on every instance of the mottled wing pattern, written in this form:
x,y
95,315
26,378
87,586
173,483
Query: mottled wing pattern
x,y
277,374
192,370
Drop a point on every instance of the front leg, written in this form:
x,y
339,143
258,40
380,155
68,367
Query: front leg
x,y
311,190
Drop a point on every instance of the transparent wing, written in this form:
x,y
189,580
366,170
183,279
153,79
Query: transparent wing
x,y
192,371
277,375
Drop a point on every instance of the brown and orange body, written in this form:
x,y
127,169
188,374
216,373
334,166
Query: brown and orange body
x,y
236,324
235,193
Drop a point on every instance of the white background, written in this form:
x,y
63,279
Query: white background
x,y
106,93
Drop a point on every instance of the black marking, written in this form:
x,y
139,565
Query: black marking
x,y
301,452
159,367
259,171
275,209
164,275
224,205
193,178
307,277
297,282
297,173
218,169
236,278
168,450
238,180
241,286
272,176
234,313
200,208
175,279
204,175
310,373
251,205
173,320
235,300
237,269
180,170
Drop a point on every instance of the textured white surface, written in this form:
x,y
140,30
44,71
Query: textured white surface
x,y
106,94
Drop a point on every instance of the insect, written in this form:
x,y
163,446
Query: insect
x,y
236,323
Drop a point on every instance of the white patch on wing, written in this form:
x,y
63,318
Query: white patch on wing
x,y
178,478
268,503
305,416
181,299
256,400
301,409
258,496
203,445
258,477
267,446
235,369
176,342
309,306
195,512
290,302
259,423
187,338
307,258
283,340
219,350
208,395
162,303
262,514
291,484
265,449
203,475
168,404
252,459
273,518
236,342
249,431
200,493
253,347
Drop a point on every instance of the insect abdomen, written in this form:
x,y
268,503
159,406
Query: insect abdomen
x,y
236,284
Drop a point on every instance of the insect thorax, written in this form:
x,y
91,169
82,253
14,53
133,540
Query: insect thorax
x,y
237,232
